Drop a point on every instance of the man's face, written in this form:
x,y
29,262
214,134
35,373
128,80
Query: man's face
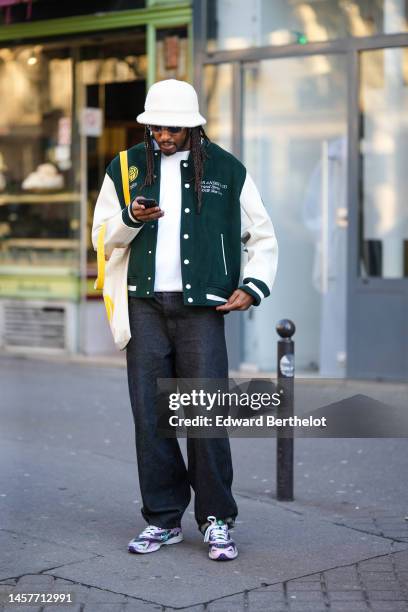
x,y
170,143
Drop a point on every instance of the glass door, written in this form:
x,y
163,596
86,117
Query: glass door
x,y
384,149
378,271
295,147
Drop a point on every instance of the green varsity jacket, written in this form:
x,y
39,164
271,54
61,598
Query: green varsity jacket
x,y
212,258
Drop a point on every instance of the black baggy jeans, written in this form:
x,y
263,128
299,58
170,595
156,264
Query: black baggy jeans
x,y
172,340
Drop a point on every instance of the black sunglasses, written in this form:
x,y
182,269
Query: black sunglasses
x,y
171,129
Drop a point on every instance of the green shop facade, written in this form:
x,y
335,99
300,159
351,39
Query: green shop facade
x,y
71,85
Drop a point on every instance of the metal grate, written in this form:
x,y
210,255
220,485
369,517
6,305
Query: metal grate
x,y
34,325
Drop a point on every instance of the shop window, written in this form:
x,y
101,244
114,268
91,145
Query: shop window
x,y
39,193
295,148
238,24
43,91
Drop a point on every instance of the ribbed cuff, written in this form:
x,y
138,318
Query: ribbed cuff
x,y
256,288
129,220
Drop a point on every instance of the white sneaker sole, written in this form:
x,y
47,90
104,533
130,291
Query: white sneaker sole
x,y
221,556
155,547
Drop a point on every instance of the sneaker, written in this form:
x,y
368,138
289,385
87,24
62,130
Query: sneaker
x,y
152,538
221,546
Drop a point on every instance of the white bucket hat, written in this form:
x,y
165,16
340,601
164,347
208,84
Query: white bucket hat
x,y
171,103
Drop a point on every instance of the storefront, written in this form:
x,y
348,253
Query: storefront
x,y
313,97
71,85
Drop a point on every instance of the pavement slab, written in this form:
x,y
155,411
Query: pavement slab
x,y
23,553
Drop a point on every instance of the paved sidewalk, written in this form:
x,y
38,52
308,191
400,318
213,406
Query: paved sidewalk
x,y
377,585
69,503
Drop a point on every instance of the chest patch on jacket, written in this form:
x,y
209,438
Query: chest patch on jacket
x,y
214,187
133,172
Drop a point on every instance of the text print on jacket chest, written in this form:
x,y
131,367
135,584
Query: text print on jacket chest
x,y
213,187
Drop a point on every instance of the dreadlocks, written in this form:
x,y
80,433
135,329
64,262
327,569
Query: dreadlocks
x,y
199,154
198,140
148,140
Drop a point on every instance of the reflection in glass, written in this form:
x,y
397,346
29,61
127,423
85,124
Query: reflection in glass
x,y
239,24
39,204
384,151
295,149
218,93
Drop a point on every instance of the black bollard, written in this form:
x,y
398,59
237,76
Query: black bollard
x,y
284,436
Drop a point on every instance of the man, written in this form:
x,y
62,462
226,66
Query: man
x,y
183,276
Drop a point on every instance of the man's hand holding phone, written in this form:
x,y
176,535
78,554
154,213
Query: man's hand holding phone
x,y
144,209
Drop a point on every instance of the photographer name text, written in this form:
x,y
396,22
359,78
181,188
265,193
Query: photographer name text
x,y
261,420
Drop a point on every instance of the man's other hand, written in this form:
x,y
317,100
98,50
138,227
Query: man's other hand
x,y
239,300
140,213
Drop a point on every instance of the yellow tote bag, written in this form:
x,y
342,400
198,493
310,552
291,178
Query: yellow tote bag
x,y
112,274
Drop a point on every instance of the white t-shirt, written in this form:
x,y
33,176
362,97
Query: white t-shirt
x,y
168,265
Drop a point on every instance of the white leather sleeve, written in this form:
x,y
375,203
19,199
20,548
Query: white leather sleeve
x,y
121,228
260,269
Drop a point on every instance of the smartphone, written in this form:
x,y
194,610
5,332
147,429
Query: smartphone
x,y
148,203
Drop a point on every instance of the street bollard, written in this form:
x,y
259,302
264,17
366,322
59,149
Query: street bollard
x,y
284,435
